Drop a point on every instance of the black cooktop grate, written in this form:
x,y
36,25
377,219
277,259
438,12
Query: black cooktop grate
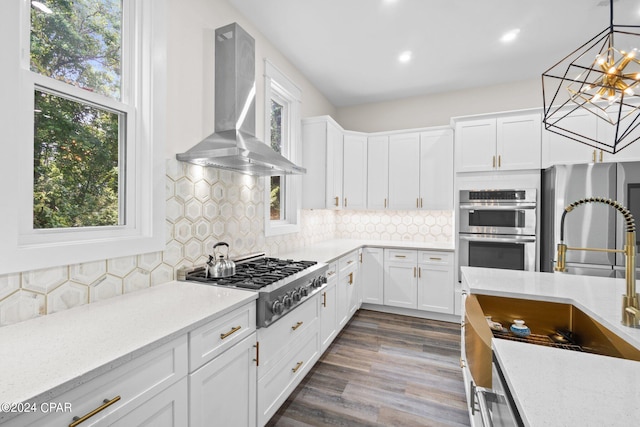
x,y
254,274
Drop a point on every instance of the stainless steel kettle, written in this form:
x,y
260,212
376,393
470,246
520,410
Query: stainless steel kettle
x,y
220,265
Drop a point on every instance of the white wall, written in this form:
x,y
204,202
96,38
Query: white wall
x,y
190,59
436,110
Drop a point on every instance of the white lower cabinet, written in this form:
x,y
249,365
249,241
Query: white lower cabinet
x,y
288,350
422,280
436,282
400,278
223,391
372,276
133,391
347,292
328,308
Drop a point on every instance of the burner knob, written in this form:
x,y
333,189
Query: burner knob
x,y
277,307
296,295
287,301
304,291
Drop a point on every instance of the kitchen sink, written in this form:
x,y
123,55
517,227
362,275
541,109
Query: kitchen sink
x,y
556,325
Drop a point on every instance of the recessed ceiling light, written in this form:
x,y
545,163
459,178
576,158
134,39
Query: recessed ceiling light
x,y
405,56
510,35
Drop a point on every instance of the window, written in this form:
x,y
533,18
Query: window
x,y
85,102
282,130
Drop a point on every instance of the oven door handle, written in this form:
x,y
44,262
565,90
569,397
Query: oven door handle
x,y
471,206
493,238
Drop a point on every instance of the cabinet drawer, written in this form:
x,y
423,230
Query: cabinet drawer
x,y
127,386
349,262
278,338
277,385
332,271
401,255
435,257
210,340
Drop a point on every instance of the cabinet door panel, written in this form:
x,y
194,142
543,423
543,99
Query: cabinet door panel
x,y
558,149
328,314
378,172
518,142
404,171
476,145
372,276
400,285
334,167
436,288
355,171
224,389
436,170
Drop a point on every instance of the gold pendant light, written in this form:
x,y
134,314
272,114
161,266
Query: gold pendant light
x,y
601,78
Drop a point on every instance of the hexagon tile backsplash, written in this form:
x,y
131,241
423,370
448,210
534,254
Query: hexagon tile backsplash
x,y
204,206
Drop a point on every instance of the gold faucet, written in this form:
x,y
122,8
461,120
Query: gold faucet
x,y
630,308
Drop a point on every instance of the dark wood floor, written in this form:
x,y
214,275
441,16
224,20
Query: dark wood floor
x,y
383,370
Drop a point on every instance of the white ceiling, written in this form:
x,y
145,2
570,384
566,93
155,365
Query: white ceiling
x,y
348,48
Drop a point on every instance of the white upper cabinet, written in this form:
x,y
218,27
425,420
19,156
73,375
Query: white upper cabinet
x,y
476,145
378,172
404,171
558,149
509,142
355,171
436,170
322,155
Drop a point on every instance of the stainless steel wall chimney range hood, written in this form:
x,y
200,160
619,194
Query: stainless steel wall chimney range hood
x,y
233,145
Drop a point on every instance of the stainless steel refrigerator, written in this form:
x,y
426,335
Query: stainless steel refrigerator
x,y
593,225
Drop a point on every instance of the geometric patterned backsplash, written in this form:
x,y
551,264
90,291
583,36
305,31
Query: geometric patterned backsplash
x,y
204,206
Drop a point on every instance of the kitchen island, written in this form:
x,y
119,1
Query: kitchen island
x,y
558,387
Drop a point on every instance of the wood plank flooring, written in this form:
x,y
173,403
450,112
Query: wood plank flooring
x,y
383,370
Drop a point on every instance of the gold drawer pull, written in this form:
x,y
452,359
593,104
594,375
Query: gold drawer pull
x,y
351,278
298,366
297,325
330,273
232,331
462,364
433,258
400,256
350,261
105,405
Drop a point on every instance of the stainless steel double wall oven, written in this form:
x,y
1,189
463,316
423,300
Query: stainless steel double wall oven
x,y
498,229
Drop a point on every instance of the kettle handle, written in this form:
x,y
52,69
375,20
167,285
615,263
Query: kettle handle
x,y
221,244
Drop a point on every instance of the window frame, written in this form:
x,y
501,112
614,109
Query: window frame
x,y
142,101
280,88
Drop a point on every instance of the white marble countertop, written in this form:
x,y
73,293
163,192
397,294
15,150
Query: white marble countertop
x,y
44,357
330,250
560,387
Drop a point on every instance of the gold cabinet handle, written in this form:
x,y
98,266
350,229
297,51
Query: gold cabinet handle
x,y
594,156
298,366
435,258
351,278
385,203
419,272
499,160
601,156
105,405
421,205
330,273
337,200
232,331
324,299
400,256
494,162
297,325
345,202
350,262
414,272
361,258
462,364
417,202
